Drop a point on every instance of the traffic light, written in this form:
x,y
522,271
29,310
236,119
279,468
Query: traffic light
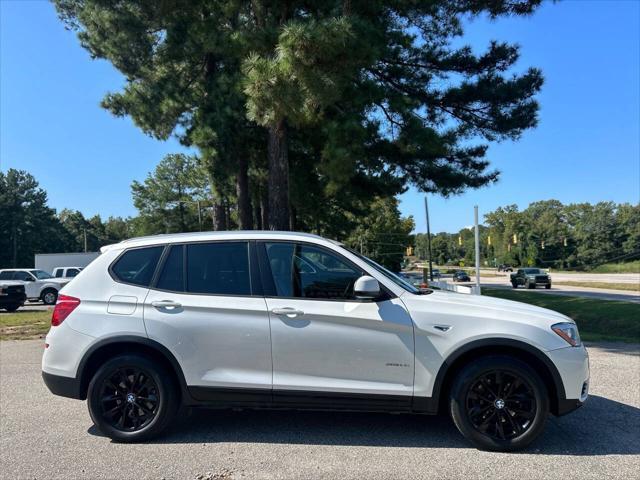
x,y
564,241
542,244
515,238
489,240
459,239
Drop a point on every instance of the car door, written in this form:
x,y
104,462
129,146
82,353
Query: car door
x,y
202,308
326,345
31,286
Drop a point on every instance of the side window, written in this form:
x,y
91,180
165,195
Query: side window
x,y
218,268
137,265
59,272
24,276
172,275
72,272
305,271
6,275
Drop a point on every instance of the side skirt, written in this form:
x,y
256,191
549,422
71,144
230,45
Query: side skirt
x,y
215,397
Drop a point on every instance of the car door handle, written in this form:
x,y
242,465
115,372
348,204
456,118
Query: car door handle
x,y
166,304
288,311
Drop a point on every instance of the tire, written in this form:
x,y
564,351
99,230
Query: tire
x,y
514,284
12,307
547,286
114,397
49,296
505,426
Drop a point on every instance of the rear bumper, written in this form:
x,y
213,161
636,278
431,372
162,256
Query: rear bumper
x,y
63,386
12,299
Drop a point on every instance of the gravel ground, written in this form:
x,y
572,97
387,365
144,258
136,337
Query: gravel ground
x,y
43,436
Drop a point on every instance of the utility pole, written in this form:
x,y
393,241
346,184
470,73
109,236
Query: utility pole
x,y
199,216
84,230
477,239
426,209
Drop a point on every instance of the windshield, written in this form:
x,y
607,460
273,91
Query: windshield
x,y
40,274
390,275
532,270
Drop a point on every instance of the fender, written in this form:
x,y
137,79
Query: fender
x,y
487,344
143,341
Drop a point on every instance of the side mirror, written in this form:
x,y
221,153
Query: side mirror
x,y
366,288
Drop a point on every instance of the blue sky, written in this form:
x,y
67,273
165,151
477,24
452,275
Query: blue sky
x,y
585,149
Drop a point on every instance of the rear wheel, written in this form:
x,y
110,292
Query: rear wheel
x,y
49,296
499,403
132,399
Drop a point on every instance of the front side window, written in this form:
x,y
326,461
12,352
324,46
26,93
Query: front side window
x,y
23,276
219,268
59,272
305,271
40,274
137,265
72,272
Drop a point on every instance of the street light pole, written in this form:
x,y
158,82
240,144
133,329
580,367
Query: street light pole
x,y
426,209
477,239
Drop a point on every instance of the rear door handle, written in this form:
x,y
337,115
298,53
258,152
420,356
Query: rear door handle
x,y
166,304
288,311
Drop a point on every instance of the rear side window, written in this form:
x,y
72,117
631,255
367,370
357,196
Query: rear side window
x,y
59,272
136,266
6,275
172,275
220,268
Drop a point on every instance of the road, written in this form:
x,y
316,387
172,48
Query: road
x,y
47,437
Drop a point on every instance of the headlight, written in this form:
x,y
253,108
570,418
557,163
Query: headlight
x,y
568,331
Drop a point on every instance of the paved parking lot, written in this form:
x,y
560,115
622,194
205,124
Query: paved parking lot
x,y
43,436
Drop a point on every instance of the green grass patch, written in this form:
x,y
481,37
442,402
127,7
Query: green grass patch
x,y
23,324
631,287
598,320
626,267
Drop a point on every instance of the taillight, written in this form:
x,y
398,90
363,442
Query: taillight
x,y
63,308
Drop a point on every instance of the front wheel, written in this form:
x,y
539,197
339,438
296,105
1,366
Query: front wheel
x,y
548,286
49,296
132,398
499,403
13,307
514,284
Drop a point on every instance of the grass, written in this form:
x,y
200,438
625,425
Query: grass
x,y
598,320
626,267
633,287
21,325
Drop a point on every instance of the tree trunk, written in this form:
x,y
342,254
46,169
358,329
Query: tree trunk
x,y
264,207
245,215
219,216
278,177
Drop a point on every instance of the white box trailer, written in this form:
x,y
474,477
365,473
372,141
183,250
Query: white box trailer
x,y
49,261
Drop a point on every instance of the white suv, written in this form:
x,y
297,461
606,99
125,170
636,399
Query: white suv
x,y
290,320
38,284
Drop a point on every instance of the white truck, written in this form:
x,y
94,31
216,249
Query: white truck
x,y
38,284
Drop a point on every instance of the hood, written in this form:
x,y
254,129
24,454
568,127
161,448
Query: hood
x,y
498,308
11,283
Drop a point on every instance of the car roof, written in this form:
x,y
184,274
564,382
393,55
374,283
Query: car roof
x,y
220,235
17,269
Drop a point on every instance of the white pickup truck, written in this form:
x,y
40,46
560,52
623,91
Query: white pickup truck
x,y
38,284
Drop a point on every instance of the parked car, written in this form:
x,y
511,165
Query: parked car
x,y
505,268
436,273
233,319
461,276
530,278
66,272
38,284
12,295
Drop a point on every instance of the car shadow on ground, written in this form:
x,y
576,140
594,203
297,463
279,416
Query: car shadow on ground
x,y
601,427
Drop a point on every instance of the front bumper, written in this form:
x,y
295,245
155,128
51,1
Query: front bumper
x,y
12,299
573,366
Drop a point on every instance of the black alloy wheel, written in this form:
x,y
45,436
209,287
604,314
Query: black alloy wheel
x,y
132,398
501,405
129,398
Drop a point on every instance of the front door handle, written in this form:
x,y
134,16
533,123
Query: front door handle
x,y
288,311
166,304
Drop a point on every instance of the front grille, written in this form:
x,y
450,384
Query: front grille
x,y
542,279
